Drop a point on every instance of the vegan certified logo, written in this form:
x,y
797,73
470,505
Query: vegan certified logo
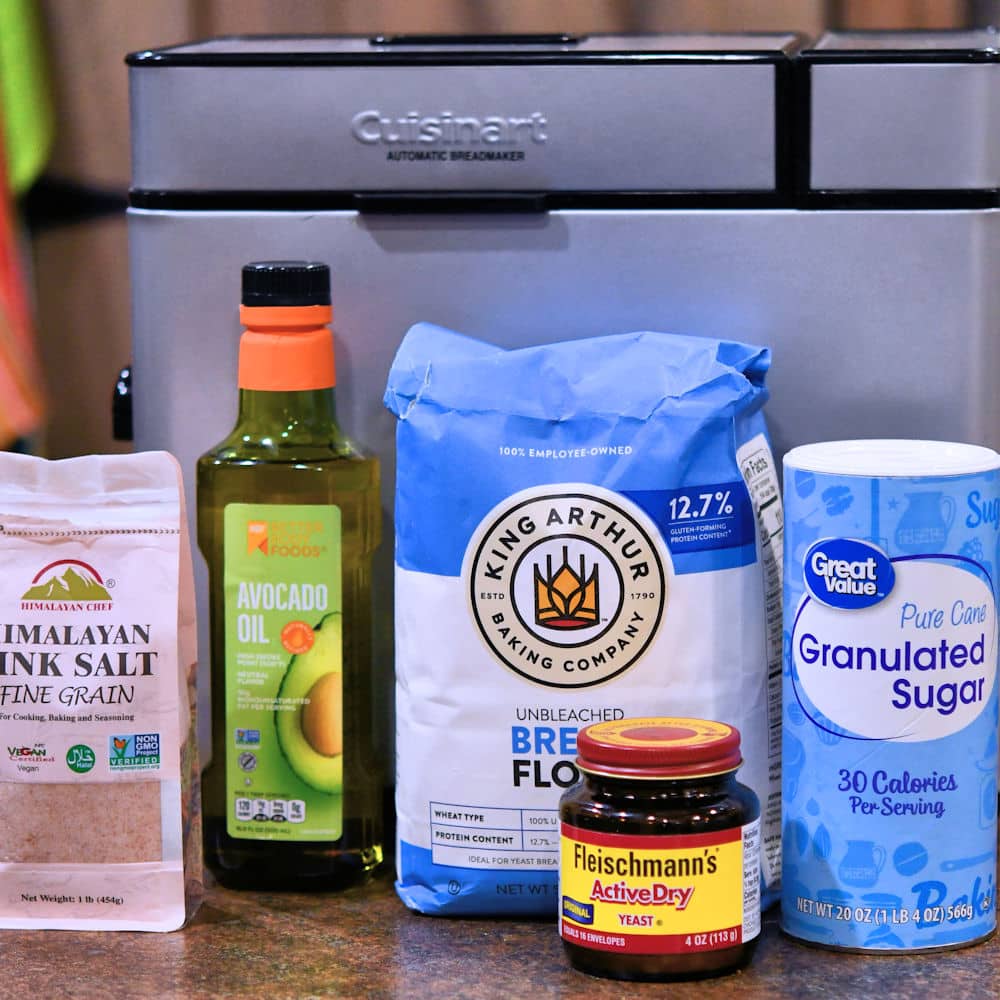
x,y
67,585
37,753
566,586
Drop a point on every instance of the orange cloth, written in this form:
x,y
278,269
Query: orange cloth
x,y
21,407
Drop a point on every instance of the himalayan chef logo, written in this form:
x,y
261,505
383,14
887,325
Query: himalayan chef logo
x,y
567,585
67,585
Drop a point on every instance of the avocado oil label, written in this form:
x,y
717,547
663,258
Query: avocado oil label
x,y
284,663
660,895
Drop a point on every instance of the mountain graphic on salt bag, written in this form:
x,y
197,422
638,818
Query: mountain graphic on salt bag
x,y
583,534
71,585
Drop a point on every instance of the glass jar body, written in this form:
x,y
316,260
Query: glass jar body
x,y
628,810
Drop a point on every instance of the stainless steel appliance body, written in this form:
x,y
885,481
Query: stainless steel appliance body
x,y
837,202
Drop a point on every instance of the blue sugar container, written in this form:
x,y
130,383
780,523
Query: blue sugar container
x,y
889,787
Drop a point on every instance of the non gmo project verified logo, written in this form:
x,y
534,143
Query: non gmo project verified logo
x,y
139,752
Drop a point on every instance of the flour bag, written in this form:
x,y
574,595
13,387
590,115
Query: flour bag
x,y
585,531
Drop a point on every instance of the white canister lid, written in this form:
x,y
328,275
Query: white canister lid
x,y
888,457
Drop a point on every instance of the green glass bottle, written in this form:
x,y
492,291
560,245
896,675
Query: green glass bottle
x,y
288,520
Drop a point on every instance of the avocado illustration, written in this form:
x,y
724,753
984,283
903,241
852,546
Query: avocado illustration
x,y
311,733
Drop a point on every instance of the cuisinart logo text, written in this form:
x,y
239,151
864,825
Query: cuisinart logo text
x,y
447,129
566,584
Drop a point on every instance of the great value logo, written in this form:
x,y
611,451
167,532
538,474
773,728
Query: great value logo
x,y
848,573
566,585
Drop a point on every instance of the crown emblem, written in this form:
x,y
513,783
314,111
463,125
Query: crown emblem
x,y
565,599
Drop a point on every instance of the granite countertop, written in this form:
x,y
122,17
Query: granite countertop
x,y
364,943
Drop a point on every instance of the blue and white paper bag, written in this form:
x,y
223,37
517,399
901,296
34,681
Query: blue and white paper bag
x,y
585,530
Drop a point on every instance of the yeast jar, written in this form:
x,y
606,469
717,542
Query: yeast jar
x,y
659,867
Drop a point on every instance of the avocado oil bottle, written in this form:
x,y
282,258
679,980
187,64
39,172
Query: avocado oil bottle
x,y
288,519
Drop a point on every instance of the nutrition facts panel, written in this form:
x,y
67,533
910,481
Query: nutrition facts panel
x,y
275,810
761,477
485,837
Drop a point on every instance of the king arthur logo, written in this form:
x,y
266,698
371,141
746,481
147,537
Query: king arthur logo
x,y
566,584
566,599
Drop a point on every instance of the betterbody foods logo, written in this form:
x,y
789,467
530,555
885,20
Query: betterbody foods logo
x,y
567,586
67,585
288,539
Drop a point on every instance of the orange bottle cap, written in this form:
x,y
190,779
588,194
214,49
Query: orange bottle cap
x,y
286,348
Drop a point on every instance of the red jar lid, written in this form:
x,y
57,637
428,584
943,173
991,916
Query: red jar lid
x,y
659,748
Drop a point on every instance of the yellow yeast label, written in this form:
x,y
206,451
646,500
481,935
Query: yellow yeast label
x,y
659,895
